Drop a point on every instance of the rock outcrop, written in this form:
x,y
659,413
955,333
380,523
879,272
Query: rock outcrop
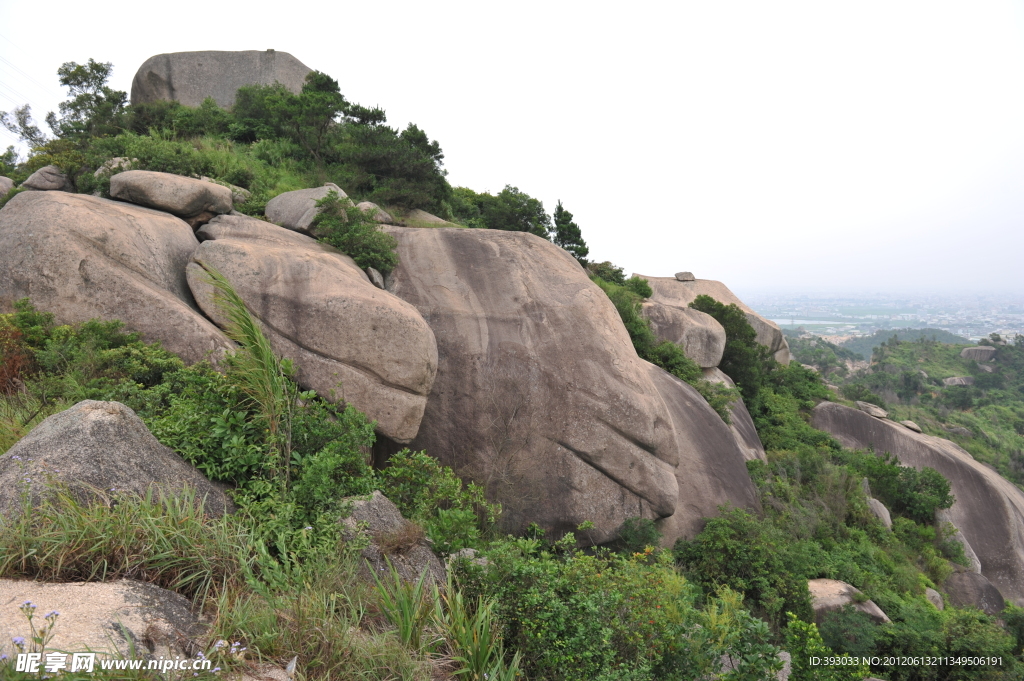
x,y
700,335
935,598
958,380
979,353
296,210
872,410
989,510
350,341
126,618
830,595
539,392
194,201
48,179
971,590
392,540
378,214
6,185
82,257
740,422
912,426
191,77
97,450
680,293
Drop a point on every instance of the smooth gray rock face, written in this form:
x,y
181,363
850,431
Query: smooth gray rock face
x,y
376,278
194,201
126,618
971,590
742,425
671,291
539,393
191,77
712,468
989,510
935,598
296,210
376,212
685,276
48,179
82,257
350,341
958,380
97,449
393,541
700,335
879,510
872,410
829,595
980,353
6,185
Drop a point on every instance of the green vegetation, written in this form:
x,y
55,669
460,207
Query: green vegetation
x,y
828,358
865,345
353,232
567,234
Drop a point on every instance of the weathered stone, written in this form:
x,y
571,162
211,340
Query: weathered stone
x,y
879,510
700,335
48,179
830,595
959,430
987,368
539,392
116,164
376,278
393,539
96,450
979,353
741,424
376,212
989,510
81,257
912,426
872,410
971,590
126,618
671,291
295,210
239,195
191,77
712,469
944,519
419,218
685,276
350,341
958,380
935,598
194,201
6,185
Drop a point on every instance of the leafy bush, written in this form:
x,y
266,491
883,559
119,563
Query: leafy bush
x,y
511,210
915,494
804,642
350,231
639,533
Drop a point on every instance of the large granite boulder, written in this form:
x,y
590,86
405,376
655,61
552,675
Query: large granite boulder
x,y
126,619
6,185
700,335
970,590
539,393
831,595
82,257
191,77
349,340
989,510
194,201
712,469
97,449
376,213
48,179
672,291
296,210
740,422
979,353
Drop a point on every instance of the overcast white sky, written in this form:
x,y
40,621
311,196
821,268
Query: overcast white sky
x,y
776,146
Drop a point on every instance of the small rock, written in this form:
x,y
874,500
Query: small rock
x,y
119,163
376,212
912,426
829,595
958,380
987,368
468,555
239,195
935,598
48,179
376,278
685,276
6,185
980,353
879,510
296,210
872,410
959,430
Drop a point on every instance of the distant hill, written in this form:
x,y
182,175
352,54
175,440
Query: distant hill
x,y
864,346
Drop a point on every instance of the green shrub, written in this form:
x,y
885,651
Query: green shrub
x,y
639,533
804,643
849,631
744,360
353,233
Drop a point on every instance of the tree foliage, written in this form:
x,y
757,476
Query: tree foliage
x,y
567,234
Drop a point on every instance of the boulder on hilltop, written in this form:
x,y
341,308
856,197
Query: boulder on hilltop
x,y
350,340
191,77
988,511
48,179
700,335
540,394
979,353
97,449
297,209
82,257
194,201
677,293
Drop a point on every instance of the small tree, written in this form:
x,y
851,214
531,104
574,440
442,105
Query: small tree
x,y
94,109
568,236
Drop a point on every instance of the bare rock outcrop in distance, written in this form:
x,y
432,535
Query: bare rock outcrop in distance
x,y
350,340
979,353
97,449
539,393
672,291
191,77
82,257
988,511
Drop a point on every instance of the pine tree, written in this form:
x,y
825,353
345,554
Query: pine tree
x,y
568,235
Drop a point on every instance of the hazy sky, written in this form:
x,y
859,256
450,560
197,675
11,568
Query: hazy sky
x,y
804,146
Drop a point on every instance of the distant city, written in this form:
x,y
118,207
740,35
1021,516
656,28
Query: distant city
x,y
840,317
